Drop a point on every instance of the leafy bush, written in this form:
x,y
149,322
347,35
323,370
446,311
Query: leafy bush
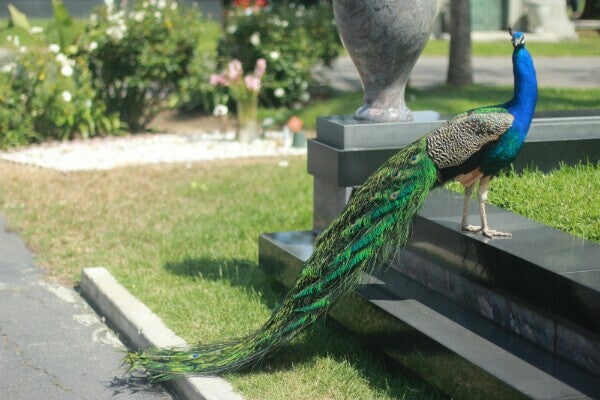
x,y
292,38
138,55
194,91
49,95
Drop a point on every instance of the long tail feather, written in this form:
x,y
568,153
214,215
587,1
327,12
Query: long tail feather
x,y
375,224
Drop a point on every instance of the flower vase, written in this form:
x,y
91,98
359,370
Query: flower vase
x,y
247,121
384,39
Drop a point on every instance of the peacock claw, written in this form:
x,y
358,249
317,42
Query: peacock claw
x,y
471,228
491,233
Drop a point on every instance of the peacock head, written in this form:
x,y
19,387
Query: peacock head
x,y
517,38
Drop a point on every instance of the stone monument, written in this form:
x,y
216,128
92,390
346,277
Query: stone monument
x,y
384,39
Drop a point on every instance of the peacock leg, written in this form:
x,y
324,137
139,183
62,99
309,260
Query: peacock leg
x,y
482,194
464,225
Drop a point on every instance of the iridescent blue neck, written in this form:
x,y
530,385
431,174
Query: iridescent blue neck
x,y
522,105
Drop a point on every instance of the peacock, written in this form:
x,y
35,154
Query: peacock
x,y
471,148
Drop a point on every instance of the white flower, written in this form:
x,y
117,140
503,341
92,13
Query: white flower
x,y
220,110
88,103
231,28
36,29
53,47
157,15
66,70
94,18
173,6
93,46
117,17
305,96
62,59
161,4
274,55
139,16
145,4
67,96
109,3
8,68
255,38
279,92
117,32
22,49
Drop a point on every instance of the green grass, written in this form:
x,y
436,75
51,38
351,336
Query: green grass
x,y
567,199
588,45
184,241
448,101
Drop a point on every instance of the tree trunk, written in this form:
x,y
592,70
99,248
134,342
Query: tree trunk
x,y
460,67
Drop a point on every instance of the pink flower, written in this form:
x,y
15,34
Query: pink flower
x,y
252,83
261,66
234,70
214,79
219,79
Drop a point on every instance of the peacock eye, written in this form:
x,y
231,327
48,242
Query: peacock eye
x,y
414,159
394,196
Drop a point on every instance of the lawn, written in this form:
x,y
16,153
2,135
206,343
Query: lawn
x,y
541,197
183,239
588,45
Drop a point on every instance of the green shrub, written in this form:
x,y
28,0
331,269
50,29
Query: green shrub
x,y
138,55
292,38
49,95
16,125
194,91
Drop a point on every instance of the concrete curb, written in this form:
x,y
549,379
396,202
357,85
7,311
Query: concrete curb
x,y
141,327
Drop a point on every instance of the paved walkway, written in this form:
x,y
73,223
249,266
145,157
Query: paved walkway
x,y
52,344
560,72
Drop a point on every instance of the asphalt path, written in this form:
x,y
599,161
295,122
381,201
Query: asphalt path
x,y
53,346
558,72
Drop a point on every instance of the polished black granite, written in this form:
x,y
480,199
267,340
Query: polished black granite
x,y
542,284
539,283
457,350
347,151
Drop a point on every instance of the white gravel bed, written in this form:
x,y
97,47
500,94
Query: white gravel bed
x,y
107,153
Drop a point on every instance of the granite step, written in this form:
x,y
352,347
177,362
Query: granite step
x,y
517,319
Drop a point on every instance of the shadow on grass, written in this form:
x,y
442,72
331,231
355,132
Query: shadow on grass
x,y
240,273
326,339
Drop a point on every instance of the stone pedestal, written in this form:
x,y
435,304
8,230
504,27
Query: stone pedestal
x,y
550,17
346,151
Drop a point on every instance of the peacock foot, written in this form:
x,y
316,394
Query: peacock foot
x,y
491,233
470,228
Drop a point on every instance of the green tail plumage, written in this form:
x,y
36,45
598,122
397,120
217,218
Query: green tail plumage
x,y
375,223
